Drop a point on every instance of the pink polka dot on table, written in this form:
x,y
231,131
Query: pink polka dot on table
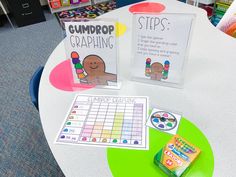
x,y
152,7
61,77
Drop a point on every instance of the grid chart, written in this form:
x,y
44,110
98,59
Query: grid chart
x,y
106,121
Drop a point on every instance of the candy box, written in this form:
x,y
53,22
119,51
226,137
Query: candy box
x,y
175,158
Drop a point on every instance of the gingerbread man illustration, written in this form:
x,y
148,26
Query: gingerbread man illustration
x,y
95,68
156,71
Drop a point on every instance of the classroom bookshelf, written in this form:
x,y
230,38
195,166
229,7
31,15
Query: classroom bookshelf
x,y
215,8
64,5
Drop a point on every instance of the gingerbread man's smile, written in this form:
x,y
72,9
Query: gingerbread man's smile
x,y
94,67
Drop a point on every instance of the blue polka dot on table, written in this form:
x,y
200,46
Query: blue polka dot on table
x,y
65,130
125,141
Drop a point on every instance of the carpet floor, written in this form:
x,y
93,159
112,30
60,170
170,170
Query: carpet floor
x,y
23,148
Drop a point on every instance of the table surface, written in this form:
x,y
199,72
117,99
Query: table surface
x,y
207,99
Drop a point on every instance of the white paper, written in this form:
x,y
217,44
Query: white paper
x,y
164,121
106,121
160,46
92,48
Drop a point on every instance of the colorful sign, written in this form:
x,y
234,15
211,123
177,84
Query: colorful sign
x,y
91,46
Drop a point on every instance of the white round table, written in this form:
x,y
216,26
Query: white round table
x,y
207,99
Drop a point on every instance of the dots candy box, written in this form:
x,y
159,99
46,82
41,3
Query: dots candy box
x,y
175,158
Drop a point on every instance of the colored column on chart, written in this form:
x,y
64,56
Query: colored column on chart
x,y
108,123
99,123
117,127
127,124
136,136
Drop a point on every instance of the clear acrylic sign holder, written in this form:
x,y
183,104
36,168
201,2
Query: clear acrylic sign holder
x,y
160,47
92,47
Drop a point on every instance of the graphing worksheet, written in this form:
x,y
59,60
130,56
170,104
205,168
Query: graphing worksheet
x,y
110,121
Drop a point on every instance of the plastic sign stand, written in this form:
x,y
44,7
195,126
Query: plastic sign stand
x,y
160,47
91,45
